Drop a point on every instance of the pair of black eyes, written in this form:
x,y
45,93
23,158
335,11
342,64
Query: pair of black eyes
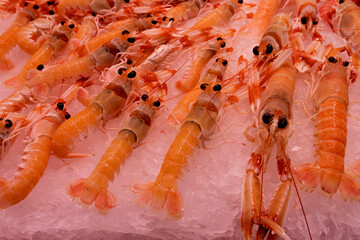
x,y
131,74
8,123
334,60
71,26
145,97
268,118
170,20
224,61
269,49
61,106
304,20
216,88
223,44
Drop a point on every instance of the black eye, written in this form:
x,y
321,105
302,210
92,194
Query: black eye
x,y
164,18
223,45
256,50
121,70
156,104
132,74
345,63
304,20
60,106
125,32
217,87
36,7
51,12
341,1
332,59
40,67
71,26
144,97
219,39
267,117
154,22
240,1
62,23
269,49
224,62
282,122
315,20
149,15
171,19
203,86
131,40
8,123
67,115
127,1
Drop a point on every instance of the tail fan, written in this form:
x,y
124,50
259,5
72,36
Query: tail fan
x,y
307,174
143,189
89,193
350,182
159,197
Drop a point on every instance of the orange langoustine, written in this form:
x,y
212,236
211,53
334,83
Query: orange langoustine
x,y
211,186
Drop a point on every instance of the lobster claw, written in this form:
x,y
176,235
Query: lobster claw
x,y
275,214
250,203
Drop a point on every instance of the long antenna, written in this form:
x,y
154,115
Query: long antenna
x,y
296,189
267,141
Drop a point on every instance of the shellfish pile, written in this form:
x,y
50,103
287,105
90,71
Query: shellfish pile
x,y
212,182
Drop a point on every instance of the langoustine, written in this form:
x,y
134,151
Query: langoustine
x,y
94,189
37,89
272,123
216,71
8,38
347,21
199,122
198,62
31,37
306,11
57,42
37,152
107,105
331,102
